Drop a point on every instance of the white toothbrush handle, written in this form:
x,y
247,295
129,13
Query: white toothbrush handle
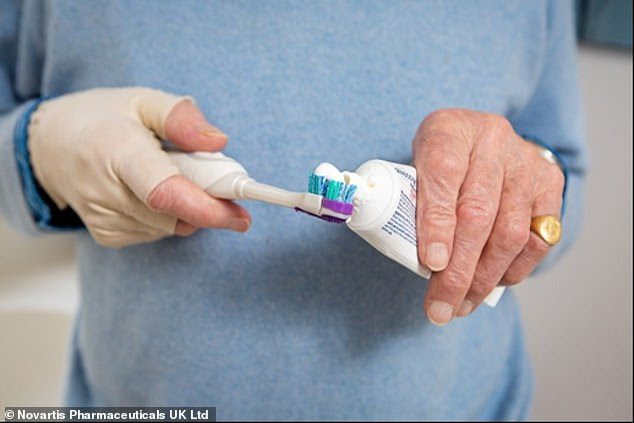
x,y
213,172
253,190
223,177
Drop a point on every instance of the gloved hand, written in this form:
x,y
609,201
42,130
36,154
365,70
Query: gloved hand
x,y
98,152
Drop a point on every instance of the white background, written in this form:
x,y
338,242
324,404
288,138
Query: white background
x,y
578,316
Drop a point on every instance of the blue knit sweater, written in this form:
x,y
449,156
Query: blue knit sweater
x,y
296,319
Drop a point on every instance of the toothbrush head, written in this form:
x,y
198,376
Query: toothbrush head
x,y
331,189
336,196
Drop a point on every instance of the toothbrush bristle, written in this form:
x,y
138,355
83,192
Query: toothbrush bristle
x,y
348,193
332,190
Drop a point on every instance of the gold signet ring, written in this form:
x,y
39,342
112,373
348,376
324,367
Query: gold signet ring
x,y
547,227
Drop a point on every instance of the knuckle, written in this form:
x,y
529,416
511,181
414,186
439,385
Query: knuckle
x,y
441,122
437,115
513,237
456,281
438,215
443,163
498,122
477,212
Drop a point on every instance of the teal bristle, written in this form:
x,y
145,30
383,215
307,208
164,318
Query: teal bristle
x,y
316,184
332,190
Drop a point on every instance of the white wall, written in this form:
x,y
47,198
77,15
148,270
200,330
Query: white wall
x,y
38,295
578,316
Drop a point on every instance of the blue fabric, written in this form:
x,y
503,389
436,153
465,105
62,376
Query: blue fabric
x,y
39,208
296,319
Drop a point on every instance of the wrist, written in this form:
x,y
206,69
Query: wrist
x,y
43,210
552,156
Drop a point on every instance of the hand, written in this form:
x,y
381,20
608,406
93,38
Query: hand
x,y
98,152
479,184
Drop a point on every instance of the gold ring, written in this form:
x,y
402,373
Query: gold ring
x,y
547,227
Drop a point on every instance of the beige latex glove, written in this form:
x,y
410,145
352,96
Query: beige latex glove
x,y
98,152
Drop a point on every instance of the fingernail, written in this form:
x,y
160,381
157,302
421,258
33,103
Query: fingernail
x,y
440,313
465,308
437,256
237,224
209,130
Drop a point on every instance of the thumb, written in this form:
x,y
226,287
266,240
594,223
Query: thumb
x,y
179,197
187,128
177,119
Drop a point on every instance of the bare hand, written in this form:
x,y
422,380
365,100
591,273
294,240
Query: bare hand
x,y
479,184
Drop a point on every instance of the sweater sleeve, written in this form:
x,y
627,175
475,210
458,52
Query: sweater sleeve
x,y
14,208
23,203
554,116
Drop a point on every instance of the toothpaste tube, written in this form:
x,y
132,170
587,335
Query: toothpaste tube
x,y
385,213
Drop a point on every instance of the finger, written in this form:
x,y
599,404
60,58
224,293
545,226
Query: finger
x,y
184,229
153,108
547,202
138,210
476,210
187,127
117,238
509,236
178,119
112,228
179,197
140,162
131,226
441,162
161,221
534,252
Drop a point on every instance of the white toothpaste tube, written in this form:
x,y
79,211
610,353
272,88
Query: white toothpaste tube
x,y
385,214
